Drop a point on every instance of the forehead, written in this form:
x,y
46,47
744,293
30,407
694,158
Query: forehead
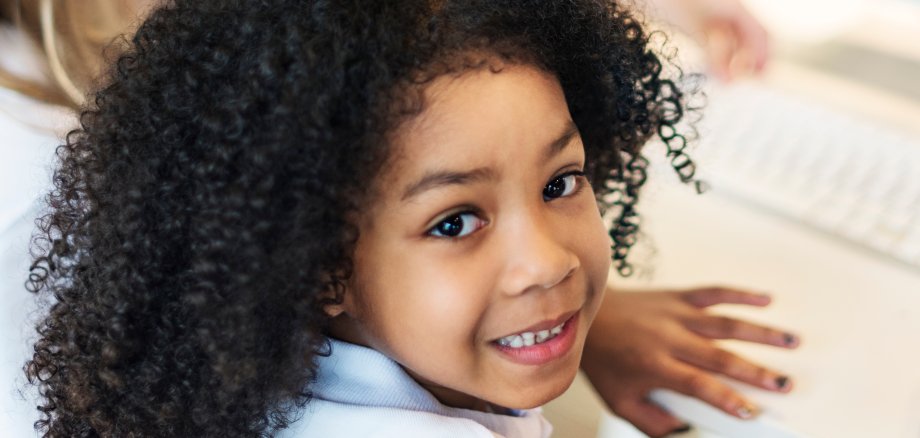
x,y
479,118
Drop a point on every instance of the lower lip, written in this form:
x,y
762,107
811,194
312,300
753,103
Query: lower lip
x,y
540,354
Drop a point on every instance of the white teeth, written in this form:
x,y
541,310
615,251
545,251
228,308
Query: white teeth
x,y
528,339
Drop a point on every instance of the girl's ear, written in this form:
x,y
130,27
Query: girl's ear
x,y
334,310
344,324
338,297
338,307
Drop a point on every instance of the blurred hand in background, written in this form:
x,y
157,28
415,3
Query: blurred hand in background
x,y
735,42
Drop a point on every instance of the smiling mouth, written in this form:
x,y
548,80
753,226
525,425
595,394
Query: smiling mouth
x,y
540,344
537,333
528,339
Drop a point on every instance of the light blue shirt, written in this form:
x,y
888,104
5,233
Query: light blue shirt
x,y
360,392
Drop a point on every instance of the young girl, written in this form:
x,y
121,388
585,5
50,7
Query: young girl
x,y
344,218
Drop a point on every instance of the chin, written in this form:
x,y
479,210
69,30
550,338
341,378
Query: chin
x,y
546,392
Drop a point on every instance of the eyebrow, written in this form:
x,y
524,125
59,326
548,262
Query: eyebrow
x,y
560,143
441,178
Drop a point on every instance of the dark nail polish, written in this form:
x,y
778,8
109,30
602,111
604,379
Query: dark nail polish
x,y
683,429
788,339
781,382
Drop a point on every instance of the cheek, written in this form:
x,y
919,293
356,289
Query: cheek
x,y
595,247
417,304
603,248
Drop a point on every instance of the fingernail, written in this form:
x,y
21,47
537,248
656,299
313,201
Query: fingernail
x,y
746,411
781,382
789,339
683,429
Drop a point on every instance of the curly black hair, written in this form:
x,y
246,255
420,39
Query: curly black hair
x,y
200,216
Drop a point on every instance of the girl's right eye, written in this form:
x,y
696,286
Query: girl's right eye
x,y
457,225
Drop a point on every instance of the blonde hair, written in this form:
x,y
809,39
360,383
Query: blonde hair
x,y
75,38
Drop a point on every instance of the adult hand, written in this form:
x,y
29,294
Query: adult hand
x,y
646,340
734,41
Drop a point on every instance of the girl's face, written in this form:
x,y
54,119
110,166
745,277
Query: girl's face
x,y
483,239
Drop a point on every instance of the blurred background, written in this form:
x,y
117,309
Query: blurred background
x,y
814,168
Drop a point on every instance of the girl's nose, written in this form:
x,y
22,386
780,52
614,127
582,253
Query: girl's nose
x,y
536,257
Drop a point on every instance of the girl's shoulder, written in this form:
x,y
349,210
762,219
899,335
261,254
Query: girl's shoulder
x,y
330,419
361,392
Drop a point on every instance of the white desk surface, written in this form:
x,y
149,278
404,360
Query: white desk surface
x,y
857,372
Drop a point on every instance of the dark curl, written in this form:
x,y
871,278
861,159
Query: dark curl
x,y
200,217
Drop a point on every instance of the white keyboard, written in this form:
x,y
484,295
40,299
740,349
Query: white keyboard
x,y
824,168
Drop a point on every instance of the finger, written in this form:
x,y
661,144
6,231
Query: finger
x,y
742,63
754,39
711,296
724,327
738,368
693,382
650,418
720,47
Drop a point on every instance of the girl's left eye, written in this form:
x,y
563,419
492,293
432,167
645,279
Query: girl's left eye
x,y
563,185
457,225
